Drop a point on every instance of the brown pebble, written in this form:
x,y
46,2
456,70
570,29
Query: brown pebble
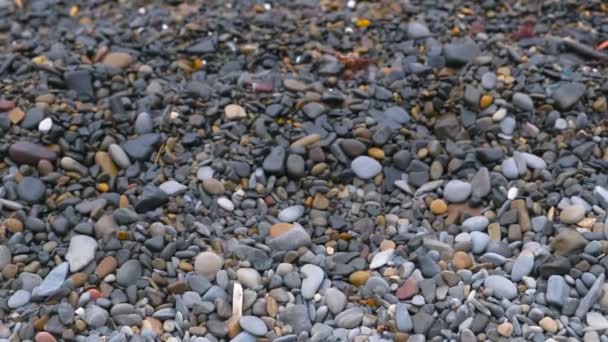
x,y
359,278
439,207
79,279
177,287
13,225
106,266
10,271
320,201
462,260
41,322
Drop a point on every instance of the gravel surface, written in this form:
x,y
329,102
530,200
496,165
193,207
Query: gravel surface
x,y
303,170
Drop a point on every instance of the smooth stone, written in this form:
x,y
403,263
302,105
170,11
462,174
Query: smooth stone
x,y
291,214
297,317
461,52
296,166
403,321
522,266
253,325
144,123
213,186
509,168
313,109
365,167
568,94
456,191
313,277
523,102
129,273
150,199
234,112
81,252
5,256
53,281
558,290
480,183
572,214
45,125
18,299
24,152
290,240
208,264
475,223
533,161
96,317
119,156
250,278
350,318
335,300
275,161
142,147
225,204
31,190
417,30
501,287
592,296
479,241
172,188
33,117
204,173
488,80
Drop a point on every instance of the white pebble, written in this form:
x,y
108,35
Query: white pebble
x,y
225,204
512,194
45,125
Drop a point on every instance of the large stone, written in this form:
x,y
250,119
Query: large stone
x,y
24,152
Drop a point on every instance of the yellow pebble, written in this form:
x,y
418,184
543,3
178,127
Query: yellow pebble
x,y
363,23
485,101
376,153
439,207
74,11
103,187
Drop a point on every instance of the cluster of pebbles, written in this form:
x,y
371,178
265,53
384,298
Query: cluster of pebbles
x,y
303,171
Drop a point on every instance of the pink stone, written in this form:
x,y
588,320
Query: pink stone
x,y
44,336
408,290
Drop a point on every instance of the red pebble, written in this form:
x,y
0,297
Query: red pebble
x,y
6,105
408,290
44,336
95,294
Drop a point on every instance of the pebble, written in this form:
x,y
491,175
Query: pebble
x,y
81,252
31,190
456,191
253,325
365,167
501,287
572,214
208,264
291,214
313,277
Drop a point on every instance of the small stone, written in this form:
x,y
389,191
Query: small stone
x,y
44,336
522,266
53,281
119,60
24,152
31,190
572,214
462,260
81,252
365,167
505,329
557,290
335,300
173,188
548,325
291,214
213,186
349,318
234,112
290,240
143,123
523,102
275,161
417,30
119,156
439,207
568,241
568,94
253,325
208,264
18,299
313,277
104,160
129,273
456,191
475,223
501,287
359,278
45,125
